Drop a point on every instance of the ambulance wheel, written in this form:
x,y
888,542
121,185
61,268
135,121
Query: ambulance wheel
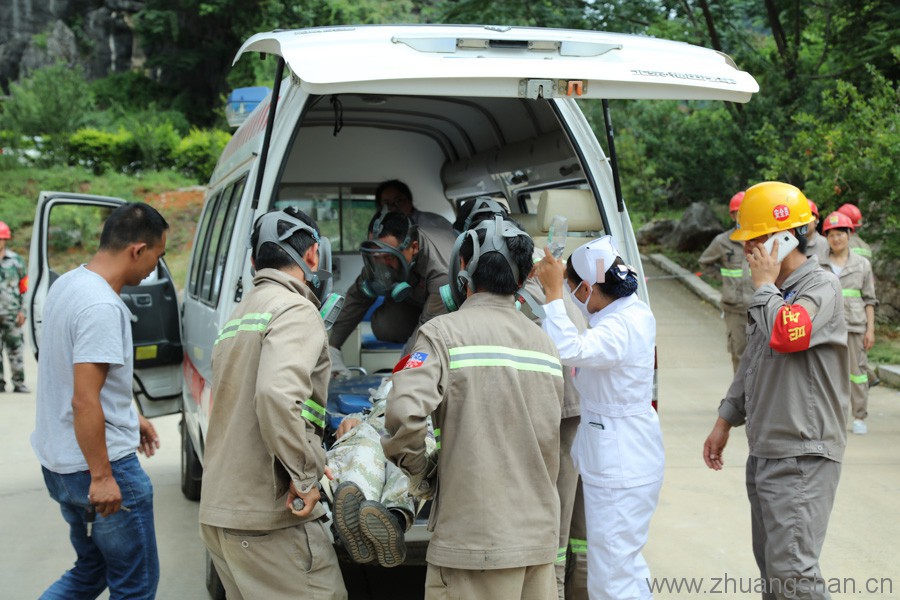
x,y
191,469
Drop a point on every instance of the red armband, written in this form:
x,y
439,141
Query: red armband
x,y
23,285
792,329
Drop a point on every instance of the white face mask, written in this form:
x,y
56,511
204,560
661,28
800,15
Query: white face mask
x,y
582,306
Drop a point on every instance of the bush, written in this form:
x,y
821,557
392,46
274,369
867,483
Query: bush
x,y
156,144
198,152
101,151
131,92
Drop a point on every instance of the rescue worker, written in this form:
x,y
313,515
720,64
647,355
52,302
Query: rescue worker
x,y
13,285
373,508
791,389
406,265
484,368
264,443
816,244
395,196
857,244
858,289
470,213
728,256
618,449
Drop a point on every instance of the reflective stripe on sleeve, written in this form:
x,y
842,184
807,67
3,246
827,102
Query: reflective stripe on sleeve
x,y
859,379
852,293
862,252
502,356
249,322
738,273
561,556
578,546
315,414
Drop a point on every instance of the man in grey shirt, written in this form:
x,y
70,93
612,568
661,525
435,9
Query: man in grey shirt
x,y
87,429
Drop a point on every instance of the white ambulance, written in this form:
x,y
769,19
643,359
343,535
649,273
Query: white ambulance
x,y
455,112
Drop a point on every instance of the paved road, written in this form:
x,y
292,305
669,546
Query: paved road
x,y
701,529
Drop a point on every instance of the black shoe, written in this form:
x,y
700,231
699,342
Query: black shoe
x,y
348,499
2,387
21,388
383,530
874,381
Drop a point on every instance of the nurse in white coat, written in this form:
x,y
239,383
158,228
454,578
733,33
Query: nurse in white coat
x,y
618,449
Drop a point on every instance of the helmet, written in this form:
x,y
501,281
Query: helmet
x,y
5,233
771,206
837,220
320,280
735,202
852,211
813,207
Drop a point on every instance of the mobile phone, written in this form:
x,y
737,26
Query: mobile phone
x,y
786,243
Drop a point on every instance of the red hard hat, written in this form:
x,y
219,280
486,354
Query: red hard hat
x,y
735,202
836,220
813,208
5,233
852,211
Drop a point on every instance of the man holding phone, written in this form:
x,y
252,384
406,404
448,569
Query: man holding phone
x,y
791,389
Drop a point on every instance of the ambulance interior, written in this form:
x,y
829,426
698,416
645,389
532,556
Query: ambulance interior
x,y
446,149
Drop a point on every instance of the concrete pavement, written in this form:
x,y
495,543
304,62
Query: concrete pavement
x,y
700,534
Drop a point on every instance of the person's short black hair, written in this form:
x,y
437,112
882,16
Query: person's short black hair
x,y
132,223
392,183
270,256
493,274
395,224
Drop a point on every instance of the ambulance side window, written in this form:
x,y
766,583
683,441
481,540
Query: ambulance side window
x,y
201,245
227,234
216,245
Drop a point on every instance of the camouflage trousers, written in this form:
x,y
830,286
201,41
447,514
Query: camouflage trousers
x,y
12,341
359,457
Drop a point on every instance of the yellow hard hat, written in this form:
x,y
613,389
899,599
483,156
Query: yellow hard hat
x,y
771,206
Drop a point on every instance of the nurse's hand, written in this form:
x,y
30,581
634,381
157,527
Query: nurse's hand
x,y
551,273
715,444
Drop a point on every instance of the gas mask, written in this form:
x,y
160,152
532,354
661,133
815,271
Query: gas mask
x,y
380,278
319,281
482,205
496,231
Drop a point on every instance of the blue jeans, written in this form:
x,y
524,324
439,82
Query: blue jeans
x,y
121,551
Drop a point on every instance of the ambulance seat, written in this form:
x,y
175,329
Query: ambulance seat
x,y
580,209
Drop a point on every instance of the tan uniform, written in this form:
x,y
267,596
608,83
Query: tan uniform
x,y
860,246
493,382
397,321
858,288
270,383
817,246
791,390
727,256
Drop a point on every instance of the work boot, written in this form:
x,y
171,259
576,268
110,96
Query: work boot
x,y
348,499
383,531
21,388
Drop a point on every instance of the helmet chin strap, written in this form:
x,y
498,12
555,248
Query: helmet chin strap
x,y
268,234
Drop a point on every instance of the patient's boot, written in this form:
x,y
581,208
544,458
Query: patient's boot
x,y
348,500
383,531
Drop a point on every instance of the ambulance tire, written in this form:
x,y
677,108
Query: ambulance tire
x,y
213,583
191,469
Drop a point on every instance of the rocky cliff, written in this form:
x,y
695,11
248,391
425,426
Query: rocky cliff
x,y
94,35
